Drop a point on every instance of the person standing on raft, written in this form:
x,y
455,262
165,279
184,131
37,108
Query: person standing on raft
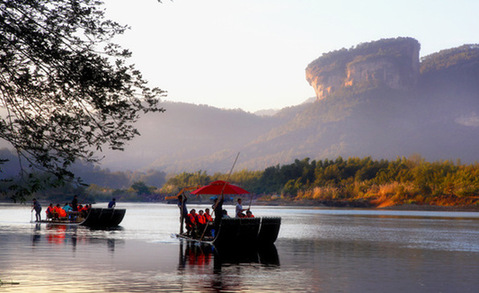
x,y
183,210
38,208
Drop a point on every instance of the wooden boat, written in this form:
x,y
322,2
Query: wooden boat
x,y
97,217
242,232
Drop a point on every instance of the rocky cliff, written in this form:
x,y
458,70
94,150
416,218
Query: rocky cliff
x,y
393,63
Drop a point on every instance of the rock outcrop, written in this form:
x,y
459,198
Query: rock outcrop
x,y
392,63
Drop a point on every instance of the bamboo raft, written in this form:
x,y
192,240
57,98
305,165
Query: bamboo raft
x,y
97,217
242,232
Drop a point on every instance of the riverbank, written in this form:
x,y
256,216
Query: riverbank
x,y
366,205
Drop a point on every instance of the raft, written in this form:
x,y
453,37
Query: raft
x,y
97,217
242,232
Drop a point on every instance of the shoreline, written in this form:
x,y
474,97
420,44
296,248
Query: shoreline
x,y
331,204
352,205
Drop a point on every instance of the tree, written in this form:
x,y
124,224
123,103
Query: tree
x,y
141,188
65,89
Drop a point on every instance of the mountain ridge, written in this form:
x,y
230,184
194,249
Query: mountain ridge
x,y
435,115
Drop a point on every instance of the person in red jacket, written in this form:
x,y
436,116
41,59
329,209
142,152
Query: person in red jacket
x,y
191,223
208,215
201,222
49,211
58,212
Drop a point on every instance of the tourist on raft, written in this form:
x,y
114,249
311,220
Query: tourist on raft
x,y
49,211
38,208
208,216
225,215
191,223
239,210
201,222
67,207
58,212
112,203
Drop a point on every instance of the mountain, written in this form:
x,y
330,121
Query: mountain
x,y
377,99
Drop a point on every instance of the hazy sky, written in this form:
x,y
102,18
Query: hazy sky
x,y
251,54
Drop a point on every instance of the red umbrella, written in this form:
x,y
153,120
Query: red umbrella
x,y
218,187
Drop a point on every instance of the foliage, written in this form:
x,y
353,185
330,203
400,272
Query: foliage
x,y
66,89
362,182
443,59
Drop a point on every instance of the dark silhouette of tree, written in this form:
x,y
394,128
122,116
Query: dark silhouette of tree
x,y
65,88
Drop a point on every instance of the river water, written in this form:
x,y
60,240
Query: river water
x,y
318,250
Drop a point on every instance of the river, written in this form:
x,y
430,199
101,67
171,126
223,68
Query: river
x,y
318,250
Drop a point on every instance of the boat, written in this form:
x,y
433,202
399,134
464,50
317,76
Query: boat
x,y
237,231
261,231
97,217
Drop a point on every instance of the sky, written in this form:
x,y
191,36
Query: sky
x,y
252,54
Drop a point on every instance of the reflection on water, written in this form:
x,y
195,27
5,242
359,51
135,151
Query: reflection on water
x,y
64,234
318,250
193,254
197,259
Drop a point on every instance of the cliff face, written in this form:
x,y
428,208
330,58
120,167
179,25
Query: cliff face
x,y
438,119
390,62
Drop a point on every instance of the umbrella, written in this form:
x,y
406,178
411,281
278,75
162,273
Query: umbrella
x,y
218,187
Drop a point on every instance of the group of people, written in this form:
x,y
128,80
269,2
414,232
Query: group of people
x,y
202,224
197,222
70,211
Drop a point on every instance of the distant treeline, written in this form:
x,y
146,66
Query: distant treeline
x,y
355,182
99,184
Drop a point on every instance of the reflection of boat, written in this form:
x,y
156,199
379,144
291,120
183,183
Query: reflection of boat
x,y
243,232
97,217
201,255
265,255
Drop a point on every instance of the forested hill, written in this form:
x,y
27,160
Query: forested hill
x,y
379,106
436,115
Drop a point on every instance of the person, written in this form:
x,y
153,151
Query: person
x,y
75,203
249,214
69,210
201,222
225,214
83,211
58,212
239,210
112,203
209,222
218,210
38,208
67,207
183,210
208,216
62,212
191,223
49,211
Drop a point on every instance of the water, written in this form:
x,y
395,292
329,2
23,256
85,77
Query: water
x,y
318,250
